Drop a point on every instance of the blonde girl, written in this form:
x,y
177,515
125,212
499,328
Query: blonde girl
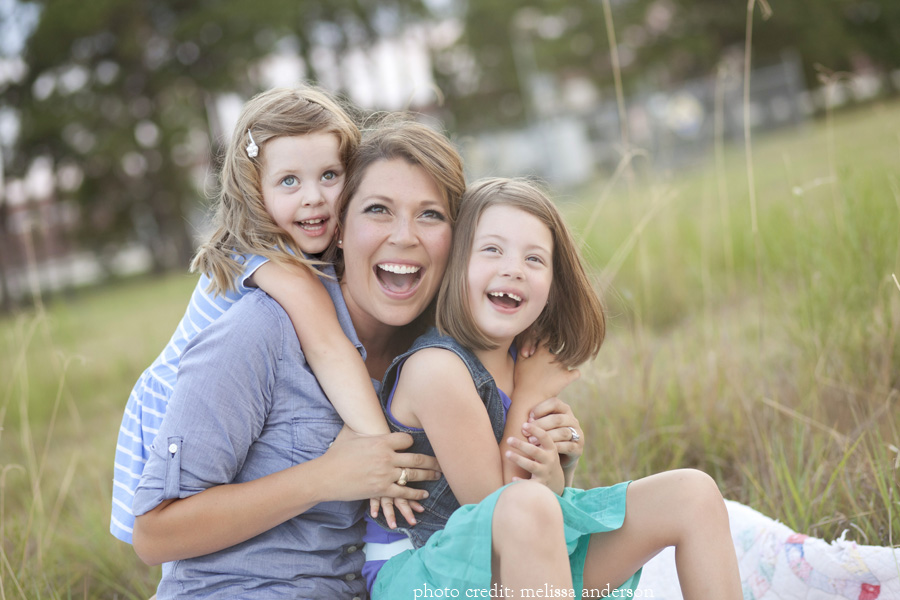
x,y
283,170
514,271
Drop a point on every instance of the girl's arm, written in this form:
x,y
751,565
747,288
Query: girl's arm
x,y
332,357
435,392
537,378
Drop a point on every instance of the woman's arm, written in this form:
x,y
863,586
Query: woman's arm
x,y
332,357
354,468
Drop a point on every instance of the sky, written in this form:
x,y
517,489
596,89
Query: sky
x,y
16,22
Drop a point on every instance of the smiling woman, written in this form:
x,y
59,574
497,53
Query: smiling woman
x,y
399,225
253,485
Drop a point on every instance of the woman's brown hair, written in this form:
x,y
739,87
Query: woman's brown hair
x,y
572,324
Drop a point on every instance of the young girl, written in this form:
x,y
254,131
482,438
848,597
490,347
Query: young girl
x,y
514,270
283,170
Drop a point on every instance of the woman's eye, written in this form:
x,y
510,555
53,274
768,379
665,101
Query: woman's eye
x,y
434,214
535,259
377,209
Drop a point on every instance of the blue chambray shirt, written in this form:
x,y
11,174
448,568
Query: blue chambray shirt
x,y
246,405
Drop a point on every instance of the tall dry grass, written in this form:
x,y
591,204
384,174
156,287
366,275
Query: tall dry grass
x,y
768,355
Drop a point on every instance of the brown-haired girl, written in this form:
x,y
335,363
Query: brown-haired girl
x,y
513,271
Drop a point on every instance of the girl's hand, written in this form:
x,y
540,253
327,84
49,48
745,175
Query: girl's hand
x,y
542,374
556,418
387,504
538,457
527,344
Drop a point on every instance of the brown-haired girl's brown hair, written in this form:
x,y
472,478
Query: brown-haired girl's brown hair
x,y
572,324
242,224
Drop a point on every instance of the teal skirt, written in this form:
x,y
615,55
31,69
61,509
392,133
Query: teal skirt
x,y
458,558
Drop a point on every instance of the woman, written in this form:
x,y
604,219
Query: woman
x,y
247,490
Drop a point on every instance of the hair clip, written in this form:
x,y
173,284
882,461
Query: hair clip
x,y
252,148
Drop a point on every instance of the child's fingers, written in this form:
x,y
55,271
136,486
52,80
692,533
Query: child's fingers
x,y
405,510
528,464
387,506
374,506
529,450
544,438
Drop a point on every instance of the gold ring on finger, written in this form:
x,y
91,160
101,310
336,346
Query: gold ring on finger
x,y
404,477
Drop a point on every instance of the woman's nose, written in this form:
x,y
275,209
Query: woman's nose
x,y
403,232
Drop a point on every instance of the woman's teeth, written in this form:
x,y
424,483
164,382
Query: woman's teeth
x,y
399,278
399,269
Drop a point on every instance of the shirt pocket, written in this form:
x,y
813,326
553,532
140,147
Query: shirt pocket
x,y
313,435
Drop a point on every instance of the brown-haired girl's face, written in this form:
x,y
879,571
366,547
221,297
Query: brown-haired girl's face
x,y
396,241
301,178
510,272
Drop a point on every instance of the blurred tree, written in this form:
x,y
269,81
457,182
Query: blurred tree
x,y
118,95
493,72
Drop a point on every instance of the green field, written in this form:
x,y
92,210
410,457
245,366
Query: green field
x,y
769,358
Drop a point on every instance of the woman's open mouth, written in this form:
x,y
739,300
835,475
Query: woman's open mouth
x,y
398,280
505,300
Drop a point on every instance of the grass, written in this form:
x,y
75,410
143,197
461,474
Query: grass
x,y
777,371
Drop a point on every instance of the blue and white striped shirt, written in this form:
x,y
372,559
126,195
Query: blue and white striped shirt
x,y
150,396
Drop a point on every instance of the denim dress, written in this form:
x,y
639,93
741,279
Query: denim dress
x,y
452,543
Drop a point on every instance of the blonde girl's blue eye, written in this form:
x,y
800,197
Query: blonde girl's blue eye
x,y
289,181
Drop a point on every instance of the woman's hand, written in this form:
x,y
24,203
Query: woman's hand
x,y
542,375
556,418
363,467
538,457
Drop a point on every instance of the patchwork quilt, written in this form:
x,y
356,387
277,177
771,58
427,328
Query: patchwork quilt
x,y
777,563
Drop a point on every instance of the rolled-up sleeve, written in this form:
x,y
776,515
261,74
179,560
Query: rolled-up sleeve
x,y
222,396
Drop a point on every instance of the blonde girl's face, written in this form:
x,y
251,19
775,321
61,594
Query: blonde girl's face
x,y
510,272
302,176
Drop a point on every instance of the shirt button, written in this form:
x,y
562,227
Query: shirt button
x,y
351,549
356,598
173,448
350,576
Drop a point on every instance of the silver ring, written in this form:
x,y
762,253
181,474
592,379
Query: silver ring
x,y
575,437
404,477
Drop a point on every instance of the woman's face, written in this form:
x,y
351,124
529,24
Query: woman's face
x,y
396,239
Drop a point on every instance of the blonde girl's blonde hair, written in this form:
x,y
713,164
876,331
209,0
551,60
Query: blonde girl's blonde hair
x,y
573,322
242,224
